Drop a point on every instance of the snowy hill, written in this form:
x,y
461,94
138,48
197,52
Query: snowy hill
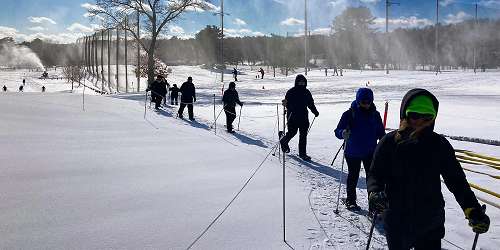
x,y
107,177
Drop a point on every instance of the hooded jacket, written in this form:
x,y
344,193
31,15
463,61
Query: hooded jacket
x,y
188,92
298,99
366,128
409,170
230,98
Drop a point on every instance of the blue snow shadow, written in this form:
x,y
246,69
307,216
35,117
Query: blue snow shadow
x,y
327,170
250,141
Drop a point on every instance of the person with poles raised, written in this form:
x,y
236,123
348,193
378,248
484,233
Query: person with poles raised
x,y
297,100
404,182
229,100
360,127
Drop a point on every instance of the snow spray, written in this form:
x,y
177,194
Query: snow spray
x,y
19,56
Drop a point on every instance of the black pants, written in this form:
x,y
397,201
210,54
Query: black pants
x,y
157,100
190,110
230,116
428,241
173,100
292,131
354,166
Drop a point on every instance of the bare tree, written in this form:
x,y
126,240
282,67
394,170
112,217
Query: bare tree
x,y
74,73
155,15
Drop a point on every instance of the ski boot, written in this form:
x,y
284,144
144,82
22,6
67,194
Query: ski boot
x,y
352,206
305,157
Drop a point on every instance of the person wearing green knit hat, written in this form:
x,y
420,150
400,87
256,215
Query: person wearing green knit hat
x,y
404,181
423,105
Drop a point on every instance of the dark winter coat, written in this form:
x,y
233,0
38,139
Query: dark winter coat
x,y
188,92
366,128
298,99
158,88
409,171
174,92
230,98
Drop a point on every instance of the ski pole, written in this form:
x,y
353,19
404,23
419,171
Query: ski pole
x,y
338,151
311,125
374,218
483,207
340,179
239,117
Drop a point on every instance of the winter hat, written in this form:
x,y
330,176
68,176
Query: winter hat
x,y
421,104
364,94
232,85
300,78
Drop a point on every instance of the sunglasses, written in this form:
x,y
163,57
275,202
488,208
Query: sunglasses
x,y
417,116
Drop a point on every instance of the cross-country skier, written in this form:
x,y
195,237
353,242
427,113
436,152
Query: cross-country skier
x,y
261,71
188,92
43,88
4,88
235,74
405,179
21,88
230,99
335,70
157,91
174,95
360,126
296,101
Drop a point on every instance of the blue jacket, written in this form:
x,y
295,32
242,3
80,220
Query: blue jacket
x,y
366,128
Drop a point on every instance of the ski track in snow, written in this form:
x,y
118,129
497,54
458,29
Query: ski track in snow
x,y
347,230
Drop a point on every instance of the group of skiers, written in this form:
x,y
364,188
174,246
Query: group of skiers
x,y
160,88
235,74
403,169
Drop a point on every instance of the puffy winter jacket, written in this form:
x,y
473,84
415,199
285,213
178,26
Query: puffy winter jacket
x,y
366,128
409,170
188,92
298,99
230,98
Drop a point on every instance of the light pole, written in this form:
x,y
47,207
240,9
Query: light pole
x,y
305,36
387,5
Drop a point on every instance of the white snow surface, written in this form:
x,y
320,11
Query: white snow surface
x,y
107,177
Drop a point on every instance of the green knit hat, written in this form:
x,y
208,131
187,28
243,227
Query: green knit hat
x,y
421,104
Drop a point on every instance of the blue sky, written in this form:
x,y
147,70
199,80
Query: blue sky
x,y
64,21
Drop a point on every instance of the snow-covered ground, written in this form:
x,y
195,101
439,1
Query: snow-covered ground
x,y
108,178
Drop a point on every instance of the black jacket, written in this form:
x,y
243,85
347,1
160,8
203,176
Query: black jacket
x,y
409,171
298,99
174,91
188,92
158,88
230,98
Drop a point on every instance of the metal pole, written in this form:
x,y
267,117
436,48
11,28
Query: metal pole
x,y
222,40
95,60
374,221
387,36
126,56
117,61
83,95
341,176
102,62
437,37
109,60
483,207
475,36
284,218
305,36
138,54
